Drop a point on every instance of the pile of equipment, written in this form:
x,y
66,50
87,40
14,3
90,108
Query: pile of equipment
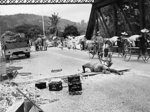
x,y
74,84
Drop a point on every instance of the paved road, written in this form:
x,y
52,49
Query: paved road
x,y
101,93
41,63
70,62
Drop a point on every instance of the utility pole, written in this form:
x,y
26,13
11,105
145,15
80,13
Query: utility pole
x,y
43,25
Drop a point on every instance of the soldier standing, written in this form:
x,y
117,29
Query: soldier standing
x,y
143,44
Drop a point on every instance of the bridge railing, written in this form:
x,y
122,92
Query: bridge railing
x,y
13,2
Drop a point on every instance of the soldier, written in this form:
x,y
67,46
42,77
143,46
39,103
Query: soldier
x,y
44,44
83,43
143,43
38,43
99,67
100,42
73,43
107,51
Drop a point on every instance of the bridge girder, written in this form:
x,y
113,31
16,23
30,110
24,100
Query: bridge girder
x,y
92,21
27,2
103,3
98,4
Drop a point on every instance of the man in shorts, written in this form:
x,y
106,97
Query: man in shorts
x,y
143,43
99,67
107,51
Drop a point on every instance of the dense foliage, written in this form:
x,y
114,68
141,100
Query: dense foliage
x,y
71,30
34,31
133,14
53,23
8,22
30,31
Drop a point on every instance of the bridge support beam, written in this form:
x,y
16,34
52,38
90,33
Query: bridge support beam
x,y
91,23
115,21
142,13
97,24
102,17
101,22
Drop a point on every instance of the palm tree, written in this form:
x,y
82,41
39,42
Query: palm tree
x,y
54,20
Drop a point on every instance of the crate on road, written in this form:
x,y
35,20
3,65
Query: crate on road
x,y
74,84
55,85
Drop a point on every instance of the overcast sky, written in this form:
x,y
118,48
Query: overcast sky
x,y
72,12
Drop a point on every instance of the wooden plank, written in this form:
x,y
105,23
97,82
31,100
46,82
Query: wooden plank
x,y
15,106
29,100
34,109
124,70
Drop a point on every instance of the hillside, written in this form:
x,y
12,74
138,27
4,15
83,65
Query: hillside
x,y
10,21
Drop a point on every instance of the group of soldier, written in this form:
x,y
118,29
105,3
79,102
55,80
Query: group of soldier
x,y
104,47
40,43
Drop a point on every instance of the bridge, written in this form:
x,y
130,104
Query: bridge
x,y
27,2
96,15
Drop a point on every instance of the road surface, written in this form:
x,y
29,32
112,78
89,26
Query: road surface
x,y
101,93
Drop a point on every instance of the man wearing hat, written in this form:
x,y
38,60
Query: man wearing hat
x,y
120,43
100,42
143,42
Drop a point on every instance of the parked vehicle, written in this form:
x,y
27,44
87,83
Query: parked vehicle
x,y
14,44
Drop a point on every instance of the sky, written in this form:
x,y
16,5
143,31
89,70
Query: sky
x,y
73,12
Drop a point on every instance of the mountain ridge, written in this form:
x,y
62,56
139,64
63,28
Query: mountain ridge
x,y
10,21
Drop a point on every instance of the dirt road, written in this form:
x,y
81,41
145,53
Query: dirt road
x,y
101,93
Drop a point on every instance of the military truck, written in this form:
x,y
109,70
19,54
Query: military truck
x,y
14,44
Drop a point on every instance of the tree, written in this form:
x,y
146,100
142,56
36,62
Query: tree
x,y
137,15
71,30
22,28
34,31
54,20
30,31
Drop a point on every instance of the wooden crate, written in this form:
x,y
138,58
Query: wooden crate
x,y
75,87
74,79
40,85
55,85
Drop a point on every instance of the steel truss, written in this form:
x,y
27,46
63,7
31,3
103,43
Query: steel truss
x,y
26,2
